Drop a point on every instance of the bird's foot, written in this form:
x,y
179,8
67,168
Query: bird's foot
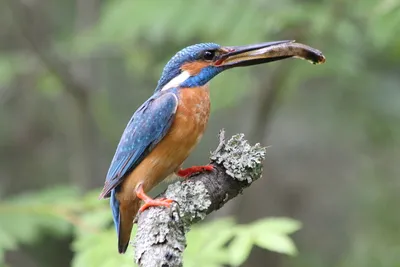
x,y
149,202
166,202
186,173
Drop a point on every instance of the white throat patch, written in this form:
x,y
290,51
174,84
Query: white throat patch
x,y
175,82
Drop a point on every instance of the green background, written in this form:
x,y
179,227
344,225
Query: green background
x,y
73,72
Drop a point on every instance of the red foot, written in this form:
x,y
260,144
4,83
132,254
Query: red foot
x,y
149,202
185,173
155,203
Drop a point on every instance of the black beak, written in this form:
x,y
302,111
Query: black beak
x,y
237,56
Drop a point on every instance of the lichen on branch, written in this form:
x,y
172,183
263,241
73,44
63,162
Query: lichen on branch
x,y
160,238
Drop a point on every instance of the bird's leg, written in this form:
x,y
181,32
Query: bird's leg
x,y
148,201
186,173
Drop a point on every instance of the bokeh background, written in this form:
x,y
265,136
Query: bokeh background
x,y
73,72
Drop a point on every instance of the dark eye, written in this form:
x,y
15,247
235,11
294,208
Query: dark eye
x,y
209,55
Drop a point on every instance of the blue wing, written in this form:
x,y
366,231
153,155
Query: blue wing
x,y
146,128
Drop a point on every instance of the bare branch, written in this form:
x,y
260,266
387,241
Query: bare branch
x,y
160,238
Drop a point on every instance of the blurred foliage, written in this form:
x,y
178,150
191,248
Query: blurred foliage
x,y
353,98
61,211
24,218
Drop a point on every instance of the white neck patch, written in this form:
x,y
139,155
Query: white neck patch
x,y
175,82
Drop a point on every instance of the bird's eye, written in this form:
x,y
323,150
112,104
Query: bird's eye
x,y
209,55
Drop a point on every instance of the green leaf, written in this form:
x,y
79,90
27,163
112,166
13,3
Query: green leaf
x,y
214,247
6,240
219,224
240,248
207,243
24,218
99,249
218,240
276,225
276,242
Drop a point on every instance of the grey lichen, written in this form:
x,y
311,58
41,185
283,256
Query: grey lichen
x,y
160,238
192,198
164,233
240,160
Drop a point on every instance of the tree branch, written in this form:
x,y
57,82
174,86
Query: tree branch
x,y
160,238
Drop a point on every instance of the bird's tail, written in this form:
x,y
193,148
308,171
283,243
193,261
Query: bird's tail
x,y
123,219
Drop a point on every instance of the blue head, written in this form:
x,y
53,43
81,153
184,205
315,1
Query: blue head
x,y
193,64
197,64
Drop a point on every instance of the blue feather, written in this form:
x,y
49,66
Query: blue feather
x,y
205,75
188,54
115,209
146,128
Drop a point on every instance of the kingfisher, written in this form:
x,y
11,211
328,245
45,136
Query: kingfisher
x,y
166,128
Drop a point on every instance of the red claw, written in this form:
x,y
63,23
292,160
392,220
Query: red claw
x,y
149,202
186,173
156,203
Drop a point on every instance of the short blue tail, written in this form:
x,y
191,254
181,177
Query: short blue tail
x,y
122,246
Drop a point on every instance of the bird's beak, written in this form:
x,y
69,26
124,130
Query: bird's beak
x,y
236,56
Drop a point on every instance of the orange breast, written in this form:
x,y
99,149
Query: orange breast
x,y
186,131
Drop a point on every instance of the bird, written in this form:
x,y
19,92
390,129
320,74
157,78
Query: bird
x,y
165,129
